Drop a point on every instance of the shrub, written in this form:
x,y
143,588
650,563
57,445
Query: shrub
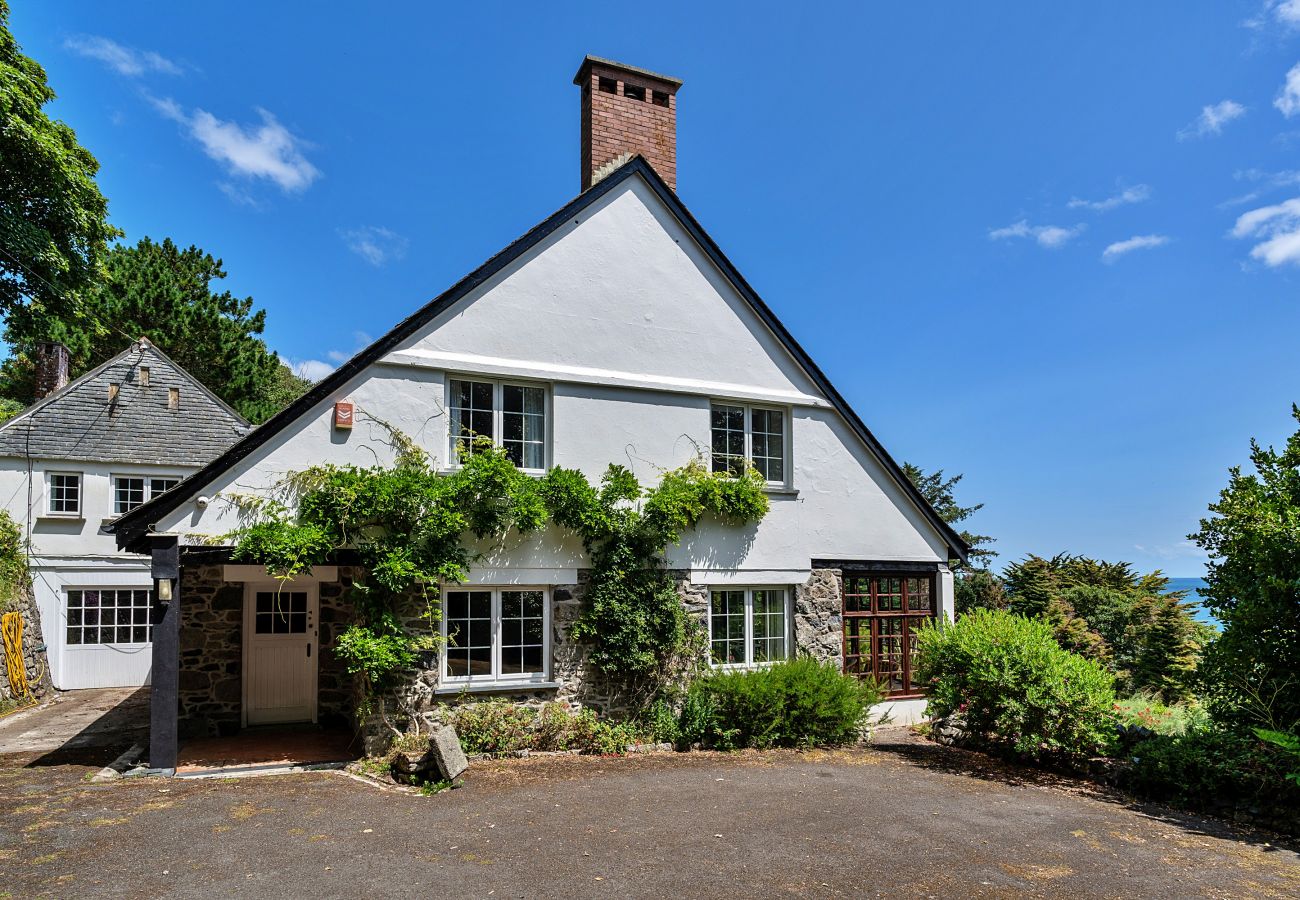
x,y
502,726
798,703
1218,770
1014,689
1145,711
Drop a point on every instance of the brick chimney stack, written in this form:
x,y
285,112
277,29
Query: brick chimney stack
x,y
52,363
626,111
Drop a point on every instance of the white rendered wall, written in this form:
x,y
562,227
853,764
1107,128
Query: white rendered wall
x,y
633,331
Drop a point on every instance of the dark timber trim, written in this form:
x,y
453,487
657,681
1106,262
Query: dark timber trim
x,y
164,678
132,528
862,565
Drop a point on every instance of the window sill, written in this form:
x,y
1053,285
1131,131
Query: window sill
x,y
780,490
452,470
60,517
495,687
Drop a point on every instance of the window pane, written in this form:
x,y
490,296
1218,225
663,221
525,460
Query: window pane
x,y
728,438
65,493
918,594
108,616
522,632
469,633
470,414
128,493
727,622
523,424
769,625
161,485
768,439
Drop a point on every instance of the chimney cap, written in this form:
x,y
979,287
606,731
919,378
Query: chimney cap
x,y
589,60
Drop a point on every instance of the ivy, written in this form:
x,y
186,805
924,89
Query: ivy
x,y
407,523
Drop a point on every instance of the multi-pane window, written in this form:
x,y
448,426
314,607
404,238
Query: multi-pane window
x,y
110,616
748,626
753,433
130,491
512,416
280,612
495,634
65,493
882,615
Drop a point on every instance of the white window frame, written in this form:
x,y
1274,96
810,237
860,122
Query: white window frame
x,y
749,590
80,511
749,408
496,679
149,492
86,646
498,416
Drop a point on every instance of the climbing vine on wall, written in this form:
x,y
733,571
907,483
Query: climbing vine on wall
x,y
407,523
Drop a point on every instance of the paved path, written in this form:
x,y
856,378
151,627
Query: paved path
x,y
76,727
847,824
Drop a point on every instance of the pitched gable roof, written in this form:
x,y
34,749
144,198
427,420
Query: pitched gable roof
x,y
81,421
133,527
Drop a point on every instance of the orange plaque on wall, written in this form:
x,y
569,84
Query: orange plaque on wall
x,y
343,414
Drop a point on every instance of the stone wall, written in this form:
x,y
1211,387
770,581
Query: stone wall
x,y
818,616
35,662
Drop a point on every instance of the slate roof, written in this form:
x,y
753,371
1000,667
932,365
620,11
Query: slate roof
x,y
80,423
132,529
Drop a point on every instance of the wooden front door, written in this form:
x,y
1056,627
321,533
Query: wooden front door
x,y
280,653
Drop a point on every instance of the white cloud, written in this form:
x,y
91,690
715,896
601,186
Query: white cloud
x,y
1287,12
311,369
1049,236
375,244
1139,242
1212,119
338,357
1135,194
1288,100
268,150
1277,230
122,60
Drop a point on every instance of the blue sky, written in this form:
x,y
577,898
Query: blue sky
x,y
1054,248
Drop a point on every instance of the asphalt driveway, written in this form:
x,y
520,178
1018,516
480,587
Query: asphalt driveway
x,y
85,728
905,820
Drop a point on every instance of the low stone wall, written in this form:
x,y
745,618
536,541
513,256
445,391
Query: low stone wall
x,y
818,616
35,662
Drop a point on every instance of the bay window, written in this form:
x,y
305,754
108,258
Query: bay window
x,y
882,615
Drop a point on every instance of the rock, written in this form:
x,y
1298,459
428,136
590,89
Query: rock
x,y
444,744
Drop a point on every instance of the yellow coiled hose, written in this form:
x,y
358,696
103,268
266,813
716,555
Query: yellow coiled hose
x,y
11,629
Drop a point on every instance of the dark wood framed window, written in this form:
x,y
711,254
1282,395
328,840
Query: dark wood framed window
x,y
882,614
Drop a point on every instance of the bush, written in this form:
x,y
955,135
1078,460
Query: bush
x,y
1218,770
798,703
1014,689
502,726
1145,711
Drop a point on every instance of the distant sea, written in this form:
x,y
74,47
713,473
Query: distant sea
x,y
1193,587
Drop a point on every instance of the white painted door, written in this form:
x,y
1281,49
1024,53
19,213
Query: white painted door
x,y
280,653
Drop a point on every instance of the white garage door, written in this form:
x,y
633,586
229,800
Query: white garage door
x,y
106,634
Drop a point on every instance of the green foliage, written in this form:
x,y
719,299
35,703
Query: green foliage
x,y
1219,770
168,295
503,726
1253,589
634,620
940,494
1132,623
1013,687
797,703
13,561
978,589
406,523
54,227
1288,743
1149,713
661,723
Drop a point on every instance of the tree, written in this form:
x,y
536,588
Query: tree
x,y
1132,623
53,219
1252,537
167,295
939,494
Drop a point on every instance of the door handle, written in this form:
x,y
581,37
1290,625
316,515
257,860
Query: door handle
x,y
309,649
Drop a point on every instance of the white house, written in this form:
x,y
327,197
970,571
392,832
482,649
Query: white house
x,y
84,454
614,331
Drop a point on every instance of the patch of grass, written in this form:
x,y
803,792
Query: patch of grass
x,y
429,788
